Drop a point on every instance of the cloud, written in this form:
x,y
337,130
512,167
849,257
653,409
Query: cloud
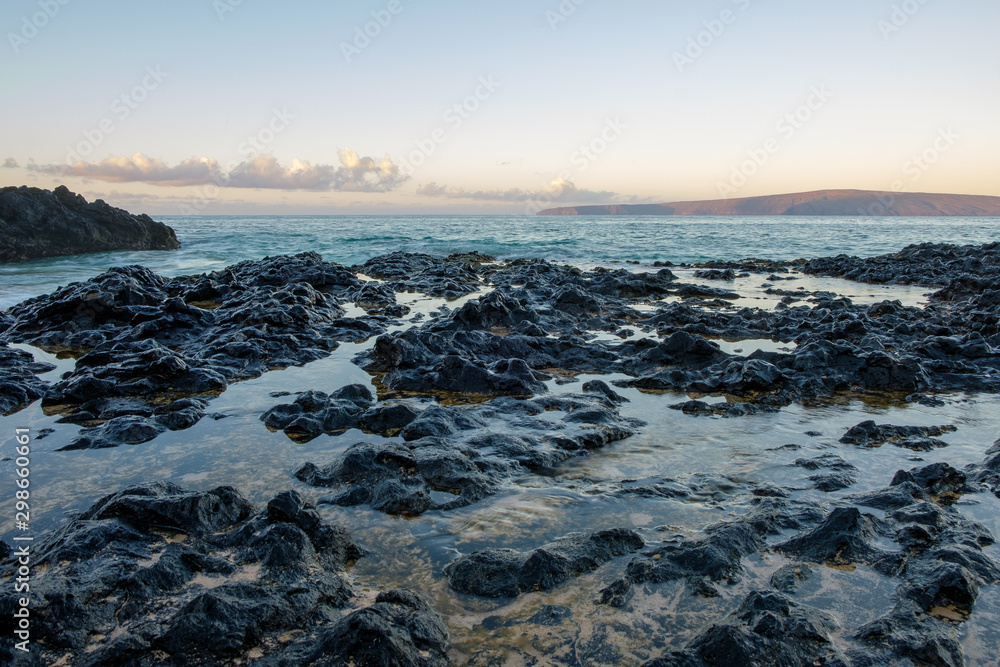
x,y
558,190
10,163
138,168
354,174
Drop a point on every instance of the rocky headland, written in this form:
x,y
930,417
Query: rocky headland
x,y
36,223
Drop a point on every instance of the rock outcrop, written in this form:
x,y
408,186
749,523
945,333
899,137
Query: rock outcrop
x,y
37,223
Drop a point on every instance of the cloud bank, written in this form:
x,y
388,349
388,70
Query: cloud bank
x,y
354,174
558,190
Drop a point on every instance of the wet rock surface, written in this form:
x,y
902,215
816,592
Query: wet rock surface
x,y
19,383
940,565
42,223
146,339
870,434
767,629
156,575
539,314
921,264
834,472
498,573
512,402
454,456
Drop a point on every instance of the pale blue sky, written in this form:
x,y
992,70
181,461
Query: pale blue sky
x,y
679,134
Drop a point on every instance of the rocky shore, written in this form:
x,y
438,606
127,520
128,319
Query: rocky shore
x,y
37,223
483,395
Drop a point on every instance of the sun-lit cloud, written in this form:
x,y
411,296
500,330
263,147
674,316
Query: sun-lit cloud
x,y
559,189
138,168
354,174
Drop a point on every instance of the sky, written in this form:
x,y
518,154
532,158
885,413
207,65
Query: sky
x,y
192,107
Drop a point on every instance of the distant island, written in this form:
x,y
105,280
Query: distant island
x,y
820,202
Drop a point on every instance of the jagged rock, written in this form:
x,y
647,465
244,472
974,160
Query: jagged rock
x,y
767,629
41,223
401,478
399,629
149,338
498,573
908,633
315,412
19,384
155,574
846,538
840,476
717,556
453,374
942,483
870,434
788,578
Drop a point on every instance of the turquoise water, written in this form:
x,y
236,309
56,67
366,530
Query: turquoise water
x,y
215,242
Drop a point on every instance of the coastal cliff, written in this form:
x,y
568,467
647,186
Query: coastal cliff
x,y
37,223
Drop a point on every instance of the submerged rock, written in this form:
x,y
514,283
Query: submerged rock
x,y
870,434
498,573
787,579
717,556
403,478
839,474
155,574
453,456
845,538
19,384
701,408
399,629
767,629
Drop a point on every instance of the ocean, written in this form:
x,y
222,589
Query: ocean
x,y
214,242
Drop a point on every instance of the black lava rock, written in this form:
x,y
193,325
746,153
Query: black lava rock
x,y
156,575
498,573
41,223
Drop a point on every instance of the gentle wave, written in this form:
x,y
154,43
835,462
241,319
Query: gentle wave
x,y
211,243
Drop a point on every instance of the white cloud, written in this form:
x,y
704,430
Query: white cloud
x,y
138,168
355,173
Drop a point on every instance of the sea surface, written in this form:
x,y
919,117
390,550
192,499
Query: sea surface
x,y
532,510
214,242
